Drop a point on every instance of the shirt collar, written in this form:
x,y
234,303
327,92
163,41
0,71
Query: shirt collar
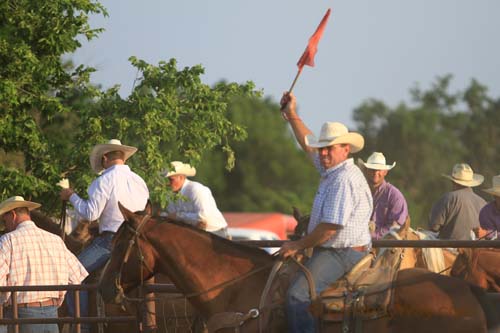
x,y
25,224
116,166
186,182
335,169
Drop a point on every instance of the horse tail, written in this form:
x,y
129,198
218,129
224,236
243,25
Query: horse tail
x,y
490,308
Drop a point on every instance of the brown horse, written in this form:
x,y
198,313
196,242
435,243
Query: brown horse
x,y
479,266
171,315
224,280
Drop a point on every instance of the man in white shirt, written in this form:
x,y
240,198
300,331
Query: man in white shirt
x,y
116,183
197,205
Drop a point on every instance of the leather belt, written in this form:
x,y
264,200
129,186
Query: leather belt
x,y
104,233
363,248
49,302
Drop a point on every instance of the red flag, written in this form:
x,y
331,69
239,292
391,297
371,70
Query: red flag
x,y
307,57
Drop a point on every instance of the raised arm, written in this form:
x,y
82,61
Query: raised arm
x,y
300,130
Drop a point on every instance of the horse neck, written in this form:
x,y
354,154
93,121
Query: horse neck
x,y
197,261
47,224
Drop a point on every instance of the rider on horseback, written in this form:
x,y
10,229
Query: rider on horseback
x,y
338,228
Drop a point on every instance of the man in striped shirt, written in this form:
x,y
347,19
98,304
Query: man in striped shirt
x,y
338,227
32,256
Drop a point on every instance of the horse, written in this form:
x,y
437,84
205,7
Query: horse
x,y
434,259
224,281
479,266
171,315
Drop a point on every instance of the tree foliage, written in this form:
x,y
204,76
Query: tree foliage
x,y
51,116
426,138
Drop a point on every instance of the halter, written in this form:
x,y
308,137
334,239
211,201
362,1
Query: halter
x,y
134,240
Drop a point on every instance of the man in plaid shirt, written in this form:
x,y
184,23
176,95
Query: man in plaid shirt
x,y
32,256
338,227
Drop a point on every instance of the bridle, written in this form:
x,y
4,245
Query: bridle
x,y
136,234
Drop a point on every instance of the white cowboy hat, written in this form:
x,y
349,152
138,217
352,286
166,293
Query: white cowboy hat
x,y
495,190
100,149
16,202
376,161
462,174
335,133
179,168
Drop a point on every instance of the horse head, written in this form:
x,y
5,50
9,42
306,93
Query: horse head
x,y
399,258
461,266
132,257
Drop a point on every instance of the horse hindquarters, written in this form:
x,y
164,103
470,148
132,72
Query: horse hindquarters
x,y
427,302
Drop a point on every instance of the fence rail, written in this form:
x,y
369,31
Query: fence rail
x,y
399,243
171,289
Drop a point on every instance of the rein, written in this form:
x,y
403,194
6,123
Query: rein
x,y
131,243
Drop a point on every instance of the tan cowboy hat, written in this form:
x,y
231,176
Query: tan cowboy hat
x,y
376,161
462,174
335,133
179,168
16,202
495,190
100,149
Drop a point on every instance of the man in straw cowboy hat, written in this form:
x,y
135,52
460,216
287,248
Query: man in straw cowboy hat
x,y
489,216
116,183
389,205
197,207
338,226
456,213
32,256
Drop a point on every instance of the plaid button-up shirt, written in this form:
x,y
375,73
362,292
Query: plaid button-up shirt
x,y
343,198
32,256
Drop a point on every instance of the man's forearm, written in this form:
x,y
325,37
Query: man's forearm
x,y
322,233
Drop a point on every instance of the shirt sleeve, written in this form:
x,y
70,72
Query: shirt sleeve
x,y
91,209
439,213
201,199
486,223
398,210
5,250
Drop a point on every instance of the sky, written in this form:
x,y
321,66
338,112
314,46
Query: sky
x,y
370,49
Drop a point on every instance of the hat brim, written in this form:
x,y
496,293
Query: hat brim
x,y
355,140
493,191
17,204
188,173
99,150
374,166
477,180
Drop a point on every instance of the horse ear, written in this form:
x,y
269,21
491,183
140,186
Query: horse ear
x,y
404,229
149,208
297,214
127,214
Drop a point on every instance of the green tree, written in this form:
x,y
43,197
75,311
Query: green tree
x,y
34,35
170,114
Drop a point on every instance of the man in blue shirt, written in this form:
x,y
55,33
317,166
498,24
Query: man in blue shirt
x,y
338,227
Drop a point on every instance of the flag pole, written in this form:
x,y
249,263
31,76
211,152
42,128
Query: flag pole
x,y
294,81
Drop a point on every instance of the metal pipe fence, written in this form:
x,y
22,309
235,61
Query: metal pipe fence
x,y
171,289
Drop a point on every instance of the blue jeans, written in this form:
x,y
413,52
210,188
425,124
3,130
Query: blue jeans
x,y
33,312
92,258
326,266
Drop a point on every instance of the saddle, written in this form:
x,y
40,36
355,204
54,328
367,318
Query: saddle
x,y
363,293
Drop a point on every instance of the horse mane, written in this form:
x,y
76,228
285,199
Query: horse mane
x,y
226,243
